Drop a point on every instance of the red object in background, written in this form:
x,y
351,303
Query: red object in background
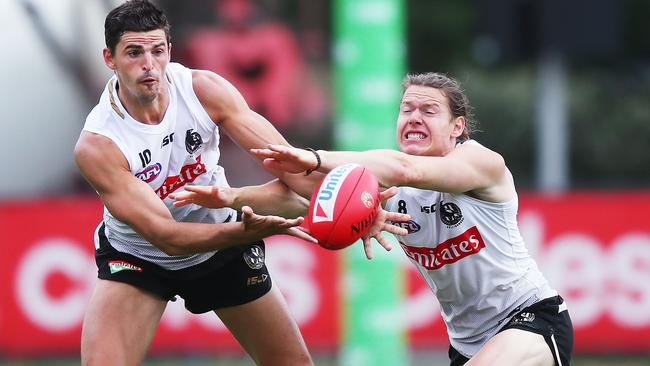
x,y
47,273
593,247
262,59
595,250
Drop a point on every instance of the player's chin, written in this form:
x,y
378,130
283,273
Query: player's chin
x,y
146,95
414,147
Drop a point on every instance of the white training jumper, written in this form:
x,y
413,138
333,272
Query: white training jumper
x,y
182,149
472,256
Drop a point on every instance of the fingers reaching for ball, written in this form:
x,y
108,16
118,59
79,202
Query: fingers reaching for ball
x,y
387,193
367,247
299,233
266,225
286,158
384,221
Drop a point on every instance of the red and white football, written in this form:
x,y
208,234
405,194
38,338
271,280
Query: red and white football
x,y
343,206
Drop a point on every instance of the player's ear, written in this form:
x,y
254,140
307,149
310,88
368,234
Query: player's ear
x,y
459,126
108,59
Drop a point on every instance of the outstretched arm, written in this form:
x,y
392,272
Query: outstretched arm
x,y
226,106
133,202
468,168
275,198
272,198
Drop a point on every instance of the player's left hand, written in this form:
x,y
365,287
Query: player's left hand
x,y
263,226
384,222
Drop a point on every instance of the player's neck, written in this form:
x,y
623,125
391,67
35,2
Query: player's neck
x,y
150,111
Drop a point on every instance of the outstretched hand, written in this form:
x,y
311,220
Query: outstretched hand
x,y
286,158
206,196
267,225
384,222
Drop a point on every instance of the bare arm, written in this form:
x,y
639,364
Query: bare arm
x,y
471,169
226,106
136,204
272,198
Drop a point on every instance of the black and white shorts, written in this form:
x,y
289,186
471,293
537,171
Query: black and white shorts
x,y
548,318
232,276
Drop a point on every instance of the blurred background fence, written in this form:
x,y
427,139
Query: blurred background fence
x,y
560,88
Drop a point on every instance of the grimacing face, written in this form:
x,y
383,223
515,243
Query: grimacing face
x,y
140,61
425,125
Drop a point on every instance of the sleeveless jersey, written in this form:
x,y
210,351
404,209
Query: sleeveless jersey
x,y
182,149
472,256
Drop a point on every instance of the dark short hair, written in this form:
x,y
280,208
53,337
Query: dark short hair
x,y
450,88
133,16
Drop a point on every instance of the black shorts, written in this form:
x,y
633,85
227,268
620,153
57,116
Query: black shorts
x,y
548,318
232,276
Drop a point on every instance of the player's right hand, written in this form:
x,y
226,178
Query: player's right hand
x,y
286,158
206,196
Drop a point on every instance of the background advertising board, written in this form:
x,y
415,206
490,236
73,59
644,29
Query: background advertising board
x,y
593,247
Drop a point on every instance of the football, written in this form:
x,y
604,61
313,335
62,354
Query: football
x,y
343,206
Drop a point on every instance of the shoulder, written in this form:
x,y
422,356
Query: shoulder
x,y
93,149
217,95
473,145
97,116
100,161
207,83
92,145
480,154
495,181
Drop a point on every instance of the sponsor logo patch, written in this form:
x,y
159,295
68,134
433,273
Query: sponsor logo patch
x,y
150,173
411,226
364,224
117,266
450,251
188,174
167,140
367,199
524,317
428,209
254,257
256,280
328,193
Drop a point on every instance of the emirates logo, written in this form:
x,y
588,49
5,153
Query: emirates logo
x,y
450,251
187,174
